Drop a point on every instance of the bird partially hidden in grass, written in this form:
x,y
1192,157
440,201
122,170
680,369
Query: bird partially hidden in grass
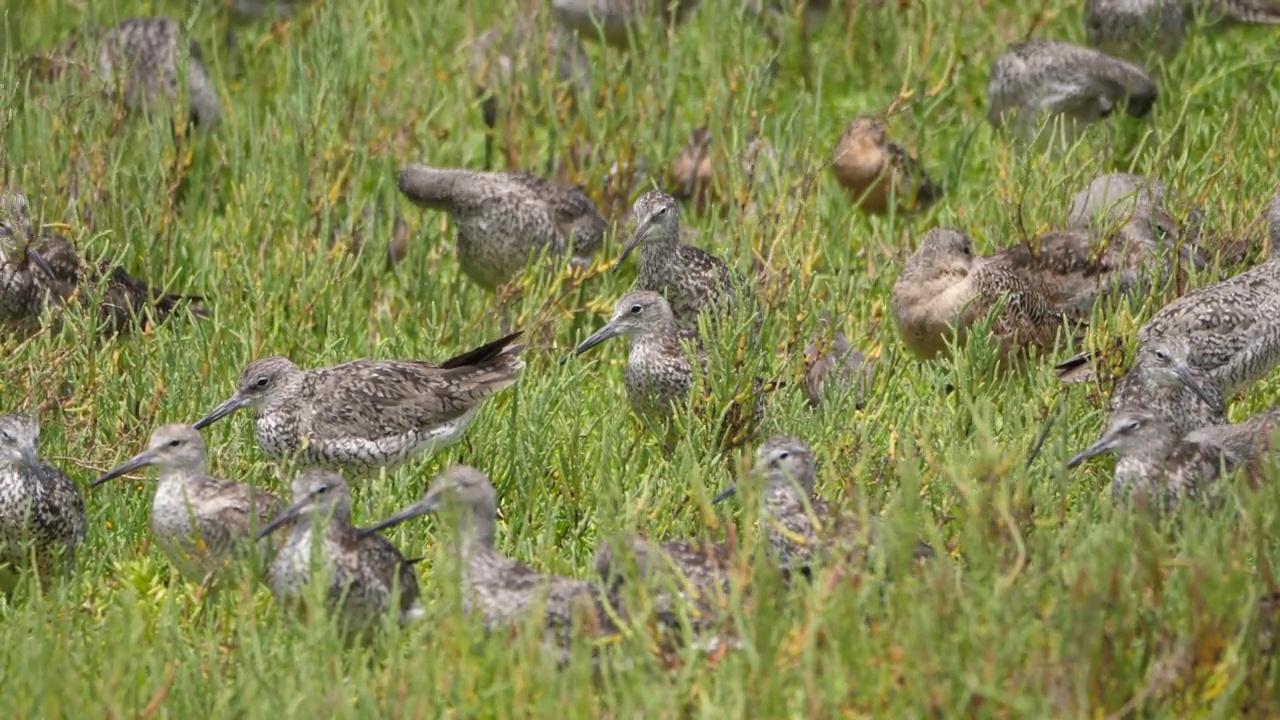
x,y
42,515
880,175
1137,30
617,22
203,524
836,366
363,575
367,414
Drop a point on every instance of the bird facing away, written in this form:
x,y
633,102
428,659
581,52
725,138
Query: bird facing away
x,y
1133,29
836,363
1151,463
659,374
691,280
201,523
41,511
53,274
501,591
944,289
878,174
1123,201
616,22
1044,79
503,218
140,61
361,571
803,530
1163,382
369,413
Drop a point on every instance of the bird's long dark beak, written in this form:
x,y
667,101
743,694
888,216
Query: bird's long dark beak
x,y
626,251
141,460
725,494
604,333
428,504
39,261
285,516
1098,448
1194,386
231,405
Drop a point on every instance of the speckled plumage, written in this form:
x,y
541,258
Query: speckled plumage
x,y
201,523
503,218
1132,29
879,174
41,510
52,273
1163,382
500,590
140,61
659,375
369,413
1039,78
616,21
363,570
944,289
1242,442
1273,221
1151,462
836,363
691,280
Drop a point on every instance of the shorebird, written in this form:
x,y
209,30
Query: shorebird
x,y
369,413
1151,462
1162,381
1133,28
659,375
1080,86
878,174
41,511
1241,442
1115,202
699,173
362,571
514,53
503,218
838,363
944,289
500,590
45,270
1273,221
201,523
691,280
140,61
616,22
803,530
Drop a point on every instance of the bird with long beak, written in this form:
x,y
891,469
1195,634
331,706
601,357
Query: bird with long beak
x,y
691,280
201,523
40,508
369,413
363,571
502,591
1151,462
1163,381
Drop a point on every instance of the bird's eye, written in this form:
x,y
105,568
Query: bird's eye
x,y
635,309
1162,356
784,455
8,436
262,381
175,443
1132,425
322,489
661,211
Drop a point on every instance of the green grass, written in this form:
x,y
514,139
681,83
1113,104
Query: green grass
x,y
1053,603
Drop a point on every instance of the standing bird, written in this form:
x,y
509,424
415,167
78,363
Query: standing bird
x,y
616,22
944,289
201,523
21,300
369,413
501,219
1133,29
362,570
140,61
500,590
41,511
878,174
1045,79
692,280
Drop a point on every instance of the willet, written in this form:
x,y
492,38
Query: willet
x,y
1242,442
1044,79
140,61
362,570
501,219
41,511
691,280
500,590
201,523
1162,381
879,174
369,413
1133,28
616,22
944,289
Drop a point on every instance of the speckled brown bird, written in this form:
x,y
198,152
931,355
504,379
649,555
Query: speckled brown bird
x,y
1136,29
880,175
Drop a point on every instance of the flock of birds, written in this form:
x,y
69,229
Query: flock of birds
x,y
1168,422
